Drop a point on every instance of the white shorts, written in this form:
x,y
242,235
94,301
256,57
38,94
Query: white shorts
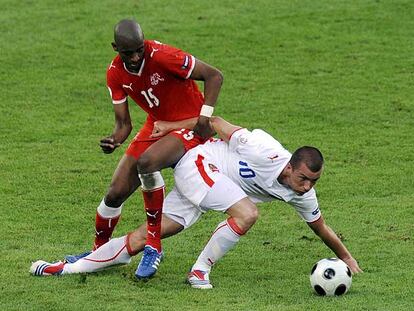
x,y
220,197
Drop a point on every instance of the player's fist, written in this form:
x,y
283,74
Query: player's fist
x,y
161,128
108,144
203,128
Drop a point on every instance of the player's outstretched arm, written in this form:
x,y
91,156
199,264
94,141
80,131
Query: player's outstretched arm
x,y
223,128
329,237
213,79
122,129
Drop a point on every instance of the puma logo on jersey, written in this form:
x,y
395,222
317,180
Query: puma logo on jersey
x,y
152,233
156,78
111,65
152,215
273,158
128,86
153,51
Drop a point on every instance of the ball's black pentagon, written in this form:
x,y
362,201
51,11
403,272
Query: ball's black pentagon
x,y
340,290
348,271
314,268
329,273
319,290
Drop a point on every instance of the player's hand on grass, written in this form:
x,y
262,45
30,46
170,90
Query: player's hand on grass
x,y
161,128
108,144
203,128
353,265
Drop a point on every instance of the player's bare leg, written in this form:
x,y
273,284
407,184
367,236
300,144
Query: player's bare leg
x,y
243,215
164,153
124,182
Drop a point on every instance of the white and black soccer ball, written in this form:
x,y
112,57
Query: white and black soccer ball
x,y
331,277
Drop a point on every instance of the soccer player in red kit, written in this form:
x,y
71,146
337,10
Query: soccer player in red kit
x,y
160,79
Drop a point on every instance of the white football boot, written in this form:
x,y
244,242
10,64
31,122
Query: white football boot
x,y
199,279
43,268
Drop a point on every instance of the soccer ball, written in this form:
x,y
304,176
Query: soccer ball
x,y
331,277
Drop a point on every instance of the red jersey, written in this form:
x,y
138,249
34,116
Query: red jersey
x,y
161,87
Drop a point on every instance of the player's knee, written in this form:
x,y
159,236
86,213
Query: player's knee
x,y
145,164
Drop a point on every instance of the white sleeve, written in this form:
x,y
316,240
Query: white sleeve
x,y
307,206
239,137
253,144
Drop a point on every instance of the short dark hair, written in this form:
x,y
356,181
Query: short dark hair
x,y
311,156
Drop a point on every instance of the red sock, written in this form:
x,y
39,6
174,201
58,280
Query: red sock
x,y
103,229
153,200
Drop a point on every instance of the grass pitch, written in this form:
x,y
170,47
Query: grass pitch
x,y
334,74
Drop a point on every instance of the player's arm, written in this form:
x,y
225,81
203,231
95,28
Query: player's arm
x,y
122,129
223,128
162,128
329,237
213,79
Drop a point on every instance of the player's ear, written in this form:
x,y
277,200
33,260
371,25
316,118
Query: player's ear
x,y
114,46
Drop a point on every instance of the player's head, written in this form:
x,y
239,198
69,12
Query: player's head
x,y
304,169
129,43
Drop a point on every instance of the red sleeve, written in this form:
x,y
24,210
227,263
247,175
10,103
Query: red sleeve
x,y
118,95
176,61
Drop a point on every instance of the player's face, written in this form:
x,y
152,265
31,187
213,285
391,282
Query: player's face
x,y
132,54
302,179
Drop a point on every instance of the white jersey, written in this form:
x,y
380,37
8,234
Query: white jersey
x,y
253,160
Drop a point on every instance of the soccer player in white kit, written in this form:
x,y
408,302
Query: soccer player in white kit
x,y
229,175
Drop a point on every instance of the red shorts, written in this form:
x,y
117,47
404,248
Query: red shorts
x,y
139,144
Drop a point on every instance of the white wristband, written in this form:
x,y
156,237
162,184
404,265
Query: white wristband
x,y
206,111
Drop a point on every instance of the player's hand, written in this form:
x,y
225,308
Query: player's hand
x,y
203,128
161,128
108,144
353,265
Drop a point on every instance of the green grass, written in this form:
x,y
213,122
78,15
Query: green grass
x,y
334,74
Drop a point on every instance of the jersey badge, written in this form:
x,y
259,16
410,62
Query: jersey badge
x,y
128,86
156,78
242,140
153,51
112,65
273,158
213,168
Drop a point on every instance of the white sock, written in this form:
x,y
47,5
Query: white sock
x,y
222,240
151,181
108,255
108,212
